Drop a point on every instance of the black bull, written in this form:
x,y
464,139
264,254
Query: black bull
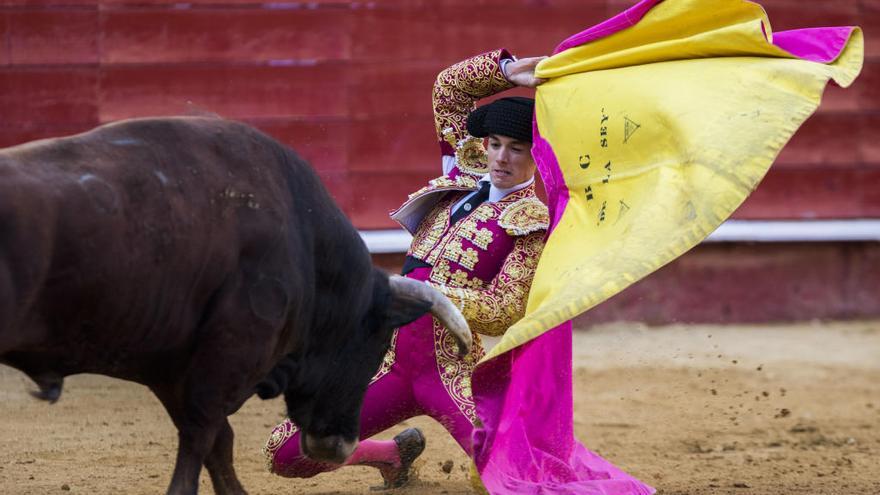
x,y
192,255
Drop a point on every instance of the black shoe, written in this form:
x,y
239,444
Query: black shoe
x,y
410,445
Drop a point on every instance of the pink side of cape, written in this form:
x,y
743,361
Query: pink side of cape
x,y
524,397
821,45
527,444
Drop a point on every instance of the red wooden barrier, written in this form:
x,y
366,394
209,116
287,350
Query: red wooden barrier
x,y
348,83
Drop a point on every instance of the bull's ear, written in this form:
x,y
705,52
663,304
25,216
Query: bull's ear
x,y
405,309
278,379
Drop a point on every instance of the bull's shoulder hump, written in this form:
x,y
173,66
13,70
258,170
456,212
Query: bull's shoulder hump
x,y
195,124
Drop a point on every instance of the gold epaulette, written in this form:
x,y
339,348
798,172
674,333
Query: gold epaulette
x,y
470,156
461,182
524,217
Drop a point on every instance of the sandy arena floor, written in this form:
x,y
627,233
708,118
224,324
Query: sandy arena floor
x,y
690,409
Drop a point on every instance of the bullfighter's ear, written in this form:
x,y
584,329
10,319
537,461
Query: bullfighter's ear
x,y
405,309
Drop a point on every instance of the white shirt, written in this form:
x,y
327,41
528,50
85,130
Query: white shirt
x,y
495,193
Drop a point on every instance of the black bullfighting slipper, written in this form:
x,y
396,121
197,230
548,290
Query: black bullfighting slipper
x,y
410,445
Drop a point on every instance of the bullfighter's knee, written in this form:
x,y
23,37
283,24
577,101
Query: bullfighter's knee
x,y
283,455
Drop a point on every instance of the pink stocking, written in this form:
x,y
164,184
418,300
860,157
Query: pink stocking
x,y
373,452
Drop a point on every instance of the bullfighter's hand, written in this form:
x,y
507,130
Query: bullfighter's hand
x,y
522,72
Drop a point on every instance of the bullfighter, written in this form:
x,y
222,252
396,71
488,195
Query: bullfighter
x,y
478,231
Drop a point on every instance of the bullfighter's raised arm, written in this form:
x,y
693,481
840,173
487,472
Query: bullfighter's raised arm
x,y
456,91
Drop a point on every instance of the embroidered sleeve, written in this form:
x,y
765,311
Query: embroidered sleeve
x,y
492,310
456,91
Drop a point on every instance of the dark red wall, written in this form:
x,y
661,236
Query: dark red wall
x,y
737,282
348,83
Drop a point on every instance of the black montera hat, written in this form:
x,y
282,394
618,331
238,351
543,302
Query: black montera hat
x,y
511,117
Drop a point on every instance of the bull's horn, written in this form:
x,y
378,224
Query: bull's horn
x,y
441,307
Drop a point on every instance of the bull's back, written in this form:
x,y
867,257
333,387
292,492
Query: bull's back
x,y
142,223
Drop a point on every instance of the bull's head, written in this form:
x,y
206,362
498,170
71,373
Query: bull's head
x,y
324,387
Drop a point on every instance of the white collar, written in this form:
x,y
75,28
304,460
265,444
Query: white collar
x,y
496,193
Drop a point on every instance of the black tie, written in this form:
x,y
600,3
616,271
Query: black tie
x,y
471,203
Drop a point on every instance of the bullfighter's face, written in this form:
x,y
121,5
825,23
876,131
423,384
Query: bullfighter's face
x,y
510,161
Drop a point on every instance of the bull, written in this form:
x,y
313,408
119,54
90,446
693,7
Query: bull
x,y
193,255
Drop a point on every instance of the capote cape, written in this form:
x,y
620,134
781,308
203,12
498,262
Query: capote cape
x,y
653,127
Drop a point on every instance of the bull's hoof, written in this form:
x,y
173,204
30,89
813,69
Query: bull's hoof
x,y
410,445
50,390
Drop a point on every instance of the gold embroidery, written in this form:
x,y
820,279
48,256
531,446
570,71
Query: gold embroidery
x,y
524,217
430,232
388,360
465,257
456,90
468,181
483,238
455,373
419,192
438,246
449,136
502,302
527,192
484,212
480,237
441,273
279,436
461,182
470,156
447,247
466,229
460,279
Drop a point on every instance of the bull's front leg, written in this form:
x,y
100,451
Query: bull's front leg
x,y
193,446
201,439
219,463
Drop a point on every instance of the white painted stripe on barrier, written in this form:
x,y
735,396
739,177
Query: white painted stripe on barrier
x,y
796,231
386,241
397,241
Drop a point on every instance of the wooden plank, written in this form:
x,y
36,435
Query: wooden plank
x,y
356,6
794,14
385,89
825,140
11,136
450,33
49,4
51,36
737,283
253,35
869,144
48,96
4,39
808,193
374,194
395,143
323,143
232,4
862,96
869,19
232,91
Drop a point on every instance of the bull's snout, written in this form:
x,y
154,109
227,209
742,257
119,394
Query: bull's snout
x,y
332,448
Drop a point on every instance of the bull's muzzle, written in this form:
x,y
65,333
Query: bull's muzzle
x,y
333,448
